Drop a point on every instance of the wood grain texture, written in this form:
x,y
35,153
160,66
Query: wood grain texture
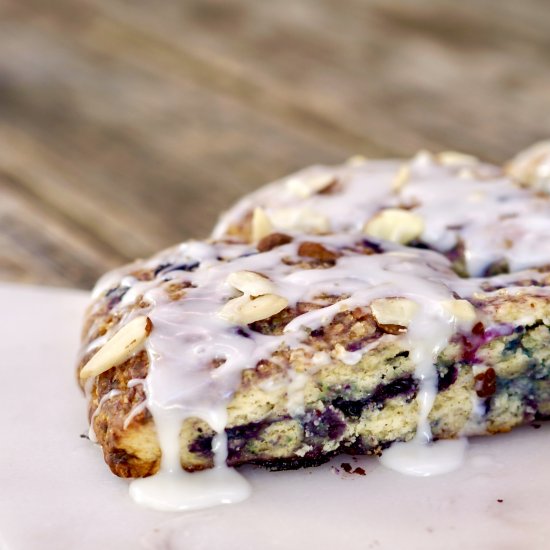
x,y
127,125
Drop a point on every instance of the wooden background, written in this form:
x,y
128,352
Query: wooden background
x,y
127,125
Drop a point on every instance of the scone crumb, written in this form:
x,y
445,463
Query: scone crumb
x,y
273,240
316,251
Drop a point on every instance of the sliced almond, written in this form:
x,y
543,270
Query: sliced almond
x,y
231,309
463,310
119,348
262,307
261,224
422,159
532,166
245,310
251,283
392,329
401,178
300,219
356,160
394,311
307,185
396,225
454,158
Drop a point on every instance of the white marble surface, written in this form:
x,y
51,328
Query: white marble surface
x,y
56,493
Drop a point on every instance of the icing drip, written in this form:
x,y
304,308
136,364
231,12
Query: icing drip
x,y
420,459
174,489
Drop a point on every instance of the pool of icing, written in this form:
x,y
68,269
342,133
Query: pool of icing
x,y
55,491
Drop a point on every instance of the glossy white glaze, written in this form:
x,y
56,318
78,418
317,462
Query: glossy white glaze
x,y
460,201
193,329
424,458
463,201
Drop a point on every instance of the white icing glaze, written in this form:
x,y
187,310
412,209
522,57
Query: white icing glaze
x,y
417,458
173,489
138,409
295,393
495,218
196,356
192,329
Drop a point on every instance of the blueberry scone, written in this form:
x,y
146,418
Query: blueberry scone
x,y
282,344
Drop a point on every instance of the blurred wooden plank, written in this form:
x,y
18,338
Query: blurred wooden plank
x,y
41,247
118,33
391,73
124,128
402,106
134,161
170,143
344,64
52,186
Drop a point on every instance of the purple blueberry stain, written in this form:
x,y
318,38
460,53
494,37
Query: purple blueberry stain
x,y
115,295
405,386
373,245
239,331
324,424
446,377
